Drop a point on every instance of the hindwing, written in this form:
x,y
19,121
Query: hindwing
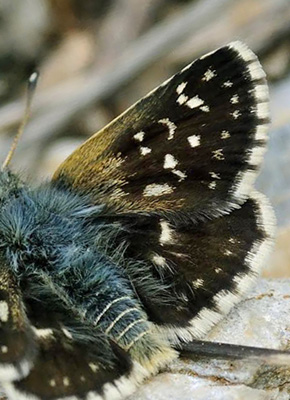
x,y
204,268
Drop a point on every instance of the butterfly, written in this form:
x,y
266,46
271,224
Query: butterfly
x,y
146,236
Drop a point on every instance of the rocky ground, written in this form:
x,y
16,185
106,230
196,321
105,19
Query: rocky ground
x,y
261,320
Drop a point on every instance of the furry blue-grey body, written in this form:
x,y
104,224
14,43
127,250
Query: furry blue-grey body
x,y
50,233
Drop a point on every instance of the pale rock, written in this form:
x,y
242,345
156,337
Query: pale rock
x,y
262,320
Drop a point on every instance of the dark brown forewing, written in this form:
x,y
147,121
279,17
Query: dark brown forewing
x,y
17,344
208,266
74,361
195,143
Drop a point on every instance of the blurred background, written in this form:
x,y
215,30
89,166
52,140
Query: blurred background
x,y
97,57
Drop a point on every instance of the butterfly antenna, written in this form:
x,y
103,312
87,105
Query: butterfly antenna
x,y
31,86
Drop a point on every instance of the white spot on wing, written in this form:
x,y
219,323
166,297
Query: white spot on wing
x,y
155,189
182,99
171,127
4,349
205,108
194,102
169,162
4,311
66,381
214,175
166,235
228,84
225,135
209,74
198,283
180,174
194,140
93,367
212,185
145,150
236,114
180,88
234,99
139,136
218,154
52,383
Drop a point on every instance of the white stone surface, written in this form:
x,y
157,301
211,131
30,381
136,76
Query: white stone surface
x,y
262,320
